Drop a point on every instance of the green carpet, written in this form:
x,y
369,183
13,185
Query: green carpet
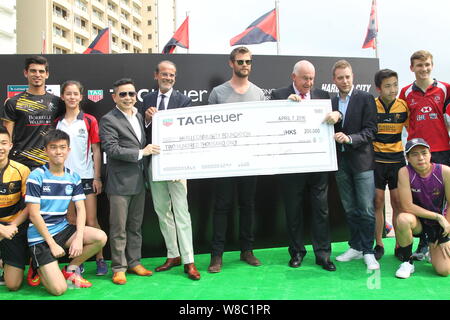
x,y
274,280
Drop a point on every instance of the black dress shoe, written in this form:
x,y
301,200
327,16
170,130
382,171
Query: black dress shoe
x,y
296,260
326,264
379,252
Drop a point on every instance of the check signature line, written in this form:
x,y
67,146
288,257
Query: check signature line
x,y
286,154
220,138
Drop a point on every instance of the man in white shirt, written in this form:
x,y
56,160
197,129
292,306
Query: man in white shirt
x,y
170,197
123,139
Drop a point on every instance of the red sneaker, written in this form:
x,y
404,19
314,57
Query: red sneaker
x,y
33,278
76,278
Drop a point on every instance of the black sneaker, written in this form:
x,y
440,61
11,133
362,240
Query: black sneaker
x,y
2,278
379,252
421,252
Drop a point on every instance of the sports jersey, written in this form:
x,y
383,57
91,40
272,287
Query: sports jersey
x,y
391,119
429,192
33,116
83,132
54,194
12,190
426,114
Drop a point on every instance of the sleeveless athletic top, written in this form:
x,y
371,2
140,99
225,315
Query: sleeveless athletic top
x,y
429,192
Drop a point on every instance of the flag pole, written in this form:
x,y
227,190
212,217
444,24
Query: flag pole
x,y
376,47
187,16
376,38
278,26
44,43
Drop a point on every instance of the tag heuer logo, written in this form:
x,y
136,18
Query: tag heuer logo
x,y
167,122
95,95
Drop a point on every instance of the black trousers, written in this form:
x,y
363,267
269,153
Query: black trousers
x,y
223,207
293,187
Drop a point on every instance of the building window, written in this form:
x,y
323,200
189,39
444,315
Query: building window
x,y
111,6
149,37
112,23
125,45
135,50
96,31
114,39
149,8
149,22
81,5
136,37
98,14
136,23
125,30
124,15
57,31
80,41
81,23
58,50
150,50
60,12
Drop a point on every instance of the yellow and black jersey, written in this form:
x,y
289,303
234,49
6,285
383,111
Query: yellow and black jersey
x,y
13,180
33,117
388,141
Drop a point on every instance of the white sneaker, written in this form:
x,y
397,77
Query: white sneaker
x,y
371,262
350,254
405,270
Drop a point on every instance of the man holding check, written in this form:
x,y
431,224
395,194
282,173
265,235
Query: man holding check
x,y
294,185
237,89
170,197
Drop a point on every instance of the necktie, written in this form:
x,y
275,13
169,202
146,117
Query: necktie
x,y
303,96
161,103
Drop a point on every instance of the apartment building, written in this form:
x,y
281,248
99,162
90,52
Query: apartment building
x,y
7,26
69,26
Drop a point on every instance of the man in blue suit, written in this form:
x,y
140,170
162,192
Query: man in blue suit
x,y
355,122
175,224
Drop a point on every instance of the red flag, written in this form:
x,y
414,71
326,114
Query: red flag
x,y
264,29
372,29
100,43
180,38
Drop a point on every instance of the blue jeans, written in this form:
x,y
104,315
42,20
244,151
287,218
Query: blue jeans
x,y
357,192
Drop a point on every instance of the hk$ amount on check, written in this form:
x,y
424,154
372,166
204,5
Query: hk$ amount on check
x,y
243,139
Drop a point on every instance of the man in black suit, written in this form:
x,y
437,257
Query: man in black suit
x,y
293,186
167,195
354,115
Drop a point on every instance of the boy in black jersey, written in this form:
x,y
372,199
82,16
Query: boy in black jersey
x,y
28,117
13,214
392,117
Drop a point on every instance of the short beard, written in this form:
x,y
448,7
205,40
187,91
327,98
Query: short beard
x,y
241,75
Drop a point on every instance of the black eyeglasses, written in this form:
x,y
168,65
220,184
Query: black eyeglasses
x,y
123,94
241,62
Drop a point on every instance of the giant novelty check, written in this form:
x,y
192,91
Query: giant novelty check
x,y
243,139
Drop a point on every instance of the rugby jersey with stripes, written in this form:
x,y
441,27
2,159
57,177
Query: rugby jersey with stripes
x,y
12,190
391,119
54,194
33,117
426,114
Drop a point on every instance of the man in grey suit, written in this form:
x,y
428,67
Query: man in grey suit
x,y
295,185
123,139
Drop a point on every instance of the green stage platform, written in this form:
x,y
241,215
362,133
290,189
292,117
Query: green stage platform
x,y
274,280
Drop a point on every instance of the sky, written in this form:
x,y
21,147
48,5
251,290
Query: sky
x,y
327,28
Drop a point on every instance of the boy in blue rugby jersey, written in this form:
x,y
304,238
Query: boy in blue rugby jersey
x,y
50,189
